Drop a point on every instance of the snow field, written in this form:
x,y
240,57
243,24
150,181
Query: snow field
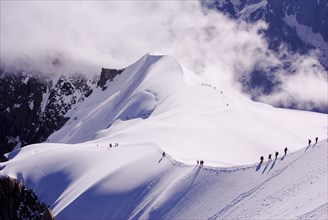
x,y
136,182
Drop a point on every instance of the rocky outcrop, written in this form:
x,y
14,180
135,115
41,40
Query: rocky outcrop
x,y
20,101
33,106
3,158
17,202
107,75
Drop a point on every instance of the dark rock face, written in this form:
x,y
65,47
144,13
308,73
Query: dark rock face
x,y
17,202
107,74
33,106
20,103
3,158
67,92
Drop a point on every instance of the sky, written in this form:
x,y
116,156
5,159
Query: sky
x,y
83,36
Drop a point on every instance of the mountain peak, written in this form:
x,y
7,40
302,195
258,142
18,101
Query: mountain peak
x,y
151,97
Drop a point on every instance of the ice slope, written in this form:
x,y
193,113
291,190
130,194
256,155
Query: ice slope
x,y
87,181
156,100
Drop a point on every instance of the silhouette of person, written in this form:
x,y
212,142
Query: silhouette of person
x,y
309,142
269,157
277,153
201,162
316,140
163,154
261,159
286,150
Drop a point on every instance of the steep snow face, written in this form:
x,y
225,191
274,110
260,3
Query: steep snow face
x,y
131,95
94,181
158,101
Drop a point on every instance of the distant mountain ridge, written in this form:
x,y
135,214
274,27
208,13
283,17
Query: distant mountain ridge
x,y
299,24
298,27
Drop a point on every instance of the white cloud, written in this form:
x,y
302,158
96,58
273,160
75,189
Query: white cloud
x,y
114,34
307,88
84,36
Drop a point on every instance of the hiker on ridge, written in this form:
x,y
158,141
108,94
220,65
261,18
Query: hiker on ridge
x,y
261,159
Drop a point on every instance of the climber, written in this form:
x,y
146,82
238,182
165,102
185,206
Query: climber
x,y
261,159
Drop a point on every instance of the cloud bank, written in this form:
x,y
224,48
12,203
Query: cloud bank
x,y
83,36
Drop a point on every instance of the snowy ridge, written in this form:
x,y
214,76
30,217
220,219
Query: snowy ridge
x,y
136,182
156,100
156,105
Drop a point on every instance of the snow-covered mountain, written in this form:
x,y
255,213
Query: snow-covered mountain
x,y
300,25
157,95
33,106
295,28
156,105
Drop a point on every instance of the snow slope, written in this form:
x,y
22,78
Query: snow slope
x,y
156,100
157,105
85,181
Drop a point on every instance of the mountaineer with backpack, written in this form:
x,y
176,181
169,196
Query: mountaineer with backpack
x,y
261,159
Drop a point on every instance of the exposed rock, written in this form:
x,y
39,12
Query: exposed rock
x,y
47,215
107,74
33,106
17,202
3,158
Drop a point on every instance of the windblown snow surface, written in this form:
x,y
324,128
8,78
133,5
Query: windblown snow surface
x,y
157,105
